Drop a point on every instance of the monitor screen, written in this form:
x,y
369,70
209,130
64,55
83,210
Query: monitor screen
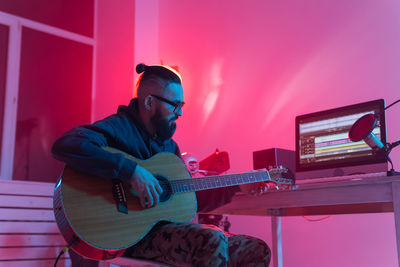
x,y
322,138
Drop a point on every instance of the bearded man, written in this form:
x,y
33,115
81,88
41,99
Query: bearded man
x,y
142,129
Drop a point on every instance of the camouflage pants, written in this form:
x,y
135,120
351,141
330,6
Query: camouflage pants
x,y
200,245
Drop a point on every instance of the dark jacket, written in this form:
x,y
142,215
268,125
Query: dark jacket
x,y
80,148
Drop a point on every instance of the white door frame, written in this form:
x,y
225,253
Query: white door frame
x,y
11,97
15,24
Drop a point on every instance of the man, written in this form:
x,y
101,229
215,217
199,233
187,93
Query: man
x,y
143,129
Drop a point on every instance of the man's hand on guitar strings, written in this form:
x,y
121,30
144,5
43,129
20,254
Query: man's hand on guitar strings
x,y
146,186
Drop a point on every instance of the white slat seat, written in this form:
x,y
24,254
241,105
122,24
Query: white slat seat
x,y
28,232
29,235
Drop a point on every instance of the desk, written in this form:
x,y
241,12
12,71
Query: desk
x,y
359,195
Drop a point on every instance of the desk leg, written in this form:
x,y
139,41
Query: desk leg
x,y
276,241
396,210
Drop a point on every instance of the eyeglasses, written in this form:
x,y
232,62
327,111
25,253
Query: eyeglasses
x,y
177,105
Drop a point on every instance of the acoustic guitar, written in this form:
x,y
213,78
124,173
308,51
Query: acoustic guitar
x,y
99,218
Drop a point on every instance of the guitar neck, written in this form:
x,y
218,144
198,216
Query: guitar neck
x,y
217,181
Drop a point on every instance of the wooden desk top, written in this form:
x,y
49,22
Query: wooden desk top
x,y
359,195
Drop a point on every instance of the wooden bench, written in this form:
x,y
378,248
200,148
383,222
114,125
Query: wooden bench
x,y
29,235
28,232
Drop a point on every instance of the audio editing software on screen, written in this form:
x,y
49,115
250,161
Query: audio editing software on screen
x,y
327,139
322,138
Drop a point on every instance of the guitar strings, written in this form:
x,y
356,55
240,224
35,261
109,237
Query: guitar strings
x,y
190,184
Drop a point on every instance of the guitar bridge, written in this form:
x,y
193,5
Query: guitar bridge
x,y
119,196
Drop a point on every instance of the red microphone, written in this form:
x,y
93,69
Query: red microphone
x,y
363,128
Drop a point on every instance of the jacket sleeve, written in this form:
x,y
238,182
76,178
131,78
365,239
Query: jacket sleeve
x,y
81,149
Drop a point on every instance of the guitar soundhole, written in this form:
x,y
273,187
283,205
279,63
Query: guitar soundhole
x,y
166,187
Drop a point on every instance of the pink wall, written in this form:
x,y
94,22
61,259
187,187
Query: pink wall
x,y
249,67
146,32
114,61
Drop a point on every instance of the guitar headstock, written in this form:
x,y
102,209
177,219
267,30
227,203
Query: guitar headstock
x,y
278,178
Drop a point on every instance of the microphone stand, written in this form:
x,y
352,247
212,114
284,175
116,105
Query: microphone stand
x,y
386,150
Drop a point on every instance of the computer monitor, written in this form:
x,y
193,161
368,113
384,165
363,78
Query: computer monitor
x,y
323,147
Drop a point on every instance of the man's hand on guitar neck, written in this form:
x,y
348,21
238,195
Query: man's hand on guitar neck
x,y
147,187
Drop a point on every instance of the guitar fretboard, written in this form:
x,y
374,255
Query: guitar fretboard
x,y
210,182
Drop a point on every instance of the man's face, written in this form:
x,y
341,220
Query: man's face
x,y
164,119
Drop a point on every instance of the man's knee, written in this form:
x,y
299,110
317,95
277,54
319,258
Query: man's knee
x,y
212,238
211,248
248,251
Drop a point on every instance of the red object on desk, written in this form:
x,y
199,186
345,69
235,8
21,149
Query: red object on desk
x,y
216,163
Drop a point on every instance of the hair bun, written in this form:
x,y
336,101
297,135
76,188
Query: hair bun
x,y
141,68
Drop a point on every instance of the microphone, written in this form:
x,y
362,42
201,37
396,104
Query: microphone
x,y
362,129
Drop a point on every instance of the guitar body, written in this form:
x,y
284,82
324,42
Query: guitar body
x,y
87,214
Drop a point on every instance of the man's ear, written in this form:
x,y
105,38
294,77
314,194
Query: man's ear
x,y
148,102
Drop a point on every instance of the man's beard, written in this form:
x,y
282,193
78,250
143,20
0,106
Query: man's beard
x,y
163,128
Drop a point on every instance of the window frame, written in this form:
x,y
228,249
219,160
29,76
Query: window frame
x,y
15,24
